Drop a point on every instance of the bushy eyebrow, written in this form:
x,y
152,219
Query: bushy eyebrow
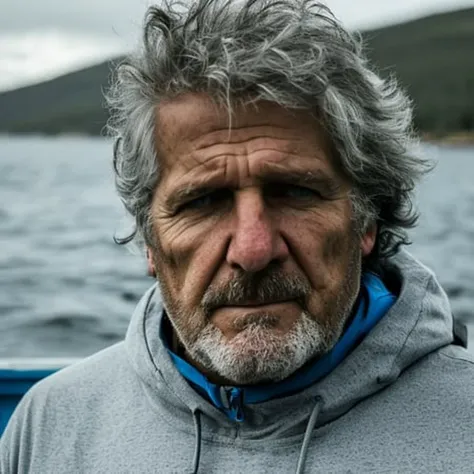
x,y
186,193
190,190
313,179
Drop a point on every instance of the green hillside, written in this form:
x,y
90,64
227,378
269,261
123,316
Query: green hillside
x,y
433,58
70,103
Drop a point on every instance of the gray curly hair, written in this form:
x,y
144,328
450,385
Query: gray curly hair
x,y
291,52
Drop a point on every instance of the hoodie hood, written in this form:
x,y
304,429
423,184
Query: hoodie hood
x,y
418,323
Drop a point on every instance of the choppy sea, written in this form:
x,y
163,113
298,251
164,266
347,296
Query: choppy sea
x,y
67,290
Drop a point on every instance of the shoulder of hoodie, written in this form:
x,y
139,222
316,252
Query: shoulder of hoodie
x,y
438,389
54,406
448,371
84,383
87,374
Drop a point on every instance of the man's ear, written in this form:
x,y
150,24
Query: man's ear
x,y
150,265
368,239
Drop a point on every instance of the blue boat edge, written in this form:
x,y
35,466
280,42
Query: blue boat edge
x,y
18,375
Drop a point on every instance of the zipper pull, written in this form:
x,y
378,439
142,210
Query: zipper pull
x,y
233,401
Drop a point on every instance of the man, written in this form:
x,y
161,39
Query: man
x,y
270,176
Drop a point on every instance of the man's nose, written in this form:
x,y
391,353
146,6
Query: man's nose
x,y
256,240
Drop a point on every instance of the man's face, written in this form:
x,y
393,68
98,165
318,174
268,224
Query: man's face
x,y
255,250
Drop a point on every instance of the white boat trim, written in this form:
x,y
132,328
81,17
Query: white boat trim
x,y
37,363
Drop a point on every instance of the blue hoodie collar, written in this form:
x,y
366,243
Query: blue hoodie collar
x,y
374,302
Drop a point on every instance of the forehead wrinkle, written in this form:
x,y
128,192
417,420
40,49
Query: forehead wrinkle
x,y
244,151
214,145
203,120
218,173
276,161
292,166
238,135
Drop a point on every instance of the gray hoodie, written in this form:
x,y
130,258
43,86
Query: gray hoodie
x,y
402,401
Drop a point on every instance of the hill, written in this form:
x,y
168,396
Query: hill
x,y
70,103
432,57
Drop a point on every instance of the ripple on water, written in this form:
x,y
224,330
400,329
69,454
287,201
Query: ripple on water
x,y
70,321
455,291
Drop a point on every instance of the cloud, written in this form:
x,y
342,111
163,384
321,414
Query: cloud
x,y
39,55
123,18
116,18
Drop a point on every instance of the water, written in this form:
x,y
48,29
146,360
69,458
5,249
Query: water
x,y
68,290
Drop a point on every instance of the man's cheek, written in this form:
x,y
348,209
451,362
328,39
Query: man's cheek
x,y
336,245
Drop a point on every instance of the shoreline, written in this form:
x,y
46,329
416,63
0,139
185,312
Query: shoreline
x,y
459,139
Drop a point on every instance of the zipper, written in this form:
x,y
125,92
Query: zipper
x,y
233,401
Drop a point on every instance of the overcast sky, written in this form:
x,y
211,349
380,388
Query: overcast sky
x,y
40,39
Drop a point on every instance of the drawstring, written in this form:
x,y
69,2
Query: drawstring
x,y
307,436
197,446
304,447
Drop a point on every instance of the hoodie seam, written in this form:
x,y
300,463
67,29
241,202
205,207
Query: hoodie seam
x,y
143,327
417,321
256,445
150,354
458,359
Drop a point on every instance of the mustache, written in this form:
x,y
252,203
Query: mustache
x,y
259,288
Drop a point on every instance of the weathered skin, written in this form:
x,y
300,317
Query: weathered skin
x,y
251,215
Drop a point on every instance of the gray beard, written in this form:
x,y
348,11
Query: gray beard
x,y
258,354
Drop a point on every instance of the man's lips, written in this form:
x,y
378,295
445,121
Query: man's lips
x,y
256,304
275,315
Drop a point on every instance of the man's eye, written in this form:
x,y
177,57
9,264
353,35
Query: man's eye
x,y
199,202
207,201
291,191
